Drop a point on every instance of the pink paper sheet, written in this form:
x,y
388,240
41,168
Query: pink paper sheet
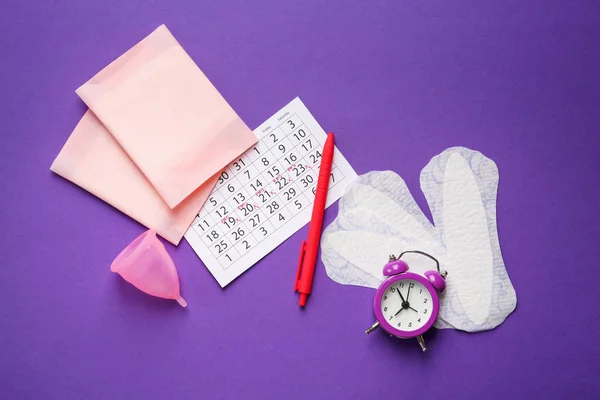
x,y
167,116
92,159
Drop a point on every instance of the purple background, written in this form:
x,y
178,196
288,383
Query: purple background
x,y
398,81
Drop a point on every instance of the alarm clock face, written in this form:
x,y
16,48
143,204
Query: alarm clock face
x,y
406,305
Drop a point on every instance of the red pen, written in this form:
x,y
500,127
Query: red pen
x,y
308,251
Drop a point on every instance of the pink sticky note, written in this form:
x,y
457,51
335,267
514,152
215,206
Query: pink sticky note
x,y
167,116
92,159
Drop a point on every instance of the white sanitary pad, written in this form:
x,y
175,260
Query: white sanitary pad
x,y
378,217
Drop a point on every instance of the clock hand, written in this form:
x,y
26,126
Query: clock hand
x,y
402,297
408,294
413,309
399,312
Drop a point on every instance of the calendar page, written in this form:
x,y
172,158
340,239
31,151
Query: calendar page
x,y
266,194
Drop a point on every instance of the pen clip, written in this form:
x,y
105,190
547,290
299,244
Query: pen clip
x,y
300,262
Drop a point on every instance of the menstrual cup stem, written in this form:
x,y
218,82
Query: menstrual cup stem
x,y
181,301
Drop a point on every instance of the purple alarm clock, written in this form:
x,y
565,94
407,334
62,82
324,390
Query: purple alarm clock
x,y
407,304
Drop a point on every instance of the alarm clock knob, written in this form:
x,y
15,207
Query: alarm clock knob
x,y
436,279
395,267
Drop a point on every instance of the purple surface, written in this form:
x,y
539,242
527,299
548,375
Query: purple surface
x,y
398,81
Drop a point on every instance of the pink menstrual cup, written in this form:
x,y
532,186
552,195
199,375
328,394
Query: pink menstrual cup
x,y
146,264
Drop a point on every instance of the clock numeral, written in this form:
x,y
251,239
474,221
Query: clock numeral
x,y
385,297
420,291
409,324
399,323
393,290
391,316
425,311
385,309
424,300
419,320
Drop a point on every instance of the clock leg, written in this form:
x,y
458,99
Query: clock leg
x,y
372,328
421,342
